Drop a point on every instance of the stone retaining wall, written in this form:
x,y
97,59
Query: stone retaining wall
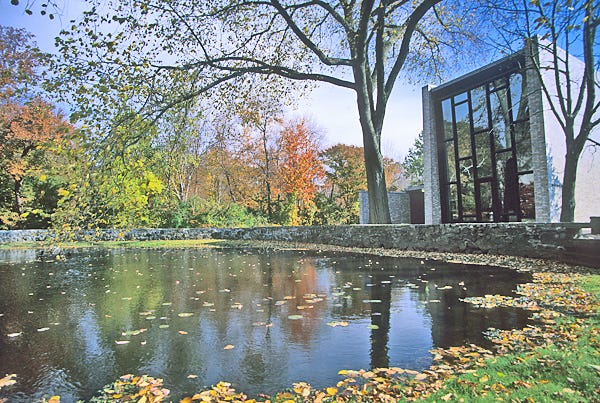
x,y
517,239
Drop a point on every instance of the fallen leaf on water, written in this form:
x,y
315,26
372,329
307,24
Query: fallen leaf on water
x,y
14,334
54,399
182,332
192,376
163,326
334,324
185,314
146,313
133,332
7,380
373,327
122,341
228,347
43,329
295,317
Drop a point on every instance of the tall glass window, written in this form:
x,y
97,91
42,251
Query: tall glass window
x,y
487,147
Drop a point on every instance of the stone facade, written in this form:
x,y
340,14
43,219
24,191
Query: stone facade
x,y
398,203
431,176
538,138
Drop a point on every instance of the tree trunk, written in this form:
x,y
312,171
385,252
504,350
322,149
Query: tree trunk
x,y
567,211
17,196
267,174
379,212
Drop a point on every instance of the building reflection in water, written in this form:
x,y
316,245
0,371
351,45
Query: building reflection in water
x,y
290,315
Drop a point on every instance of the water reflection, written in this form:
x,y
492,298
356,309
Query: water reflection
x,y
100,314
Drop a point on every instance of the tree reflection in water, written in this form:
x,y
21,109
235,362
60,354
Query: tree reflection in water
x,y
289,315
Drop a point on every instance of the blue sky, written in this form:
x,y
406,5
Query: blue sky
x,y
331,108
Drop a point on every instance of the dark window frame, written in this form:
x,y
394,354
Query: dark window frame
x,y
486,77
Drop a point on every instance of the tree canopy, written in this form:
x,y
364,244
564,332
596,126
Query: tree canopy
x,y
153,55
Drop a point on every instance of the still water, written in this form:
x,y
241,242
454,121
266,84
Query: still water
x,y
259,319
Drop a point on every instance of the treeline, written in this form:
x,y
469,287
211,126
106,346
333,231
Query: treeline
x,y
241,162
198,174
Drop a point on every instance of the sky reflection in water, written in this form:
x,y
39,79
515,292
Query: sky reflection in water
x,y
289,315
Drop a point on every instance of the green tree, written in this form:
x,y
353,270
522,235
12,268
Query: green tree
x,y
139,52
345,177
412,164
121,192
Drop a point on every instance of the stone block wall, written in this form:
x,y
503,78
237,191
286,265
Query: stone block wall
x,y
398,203
542,240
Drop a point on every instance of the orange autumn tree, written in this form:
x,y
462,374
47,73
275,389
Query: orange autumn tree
x,y
300,170
28,124
26,132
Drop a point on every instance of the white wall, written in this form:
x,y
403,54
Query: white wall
x,y
587,187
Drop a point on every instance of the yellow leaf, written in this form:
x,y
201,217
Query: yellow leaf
x,y
331,391
7,380
186,400
143,399
54,399
484,379
228,347
420,377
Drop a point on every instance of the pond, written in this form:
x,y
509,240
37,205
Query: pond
x,y
260,319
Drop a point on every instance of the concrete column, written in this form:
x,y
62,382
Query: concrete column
x,y
431,179
538,133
